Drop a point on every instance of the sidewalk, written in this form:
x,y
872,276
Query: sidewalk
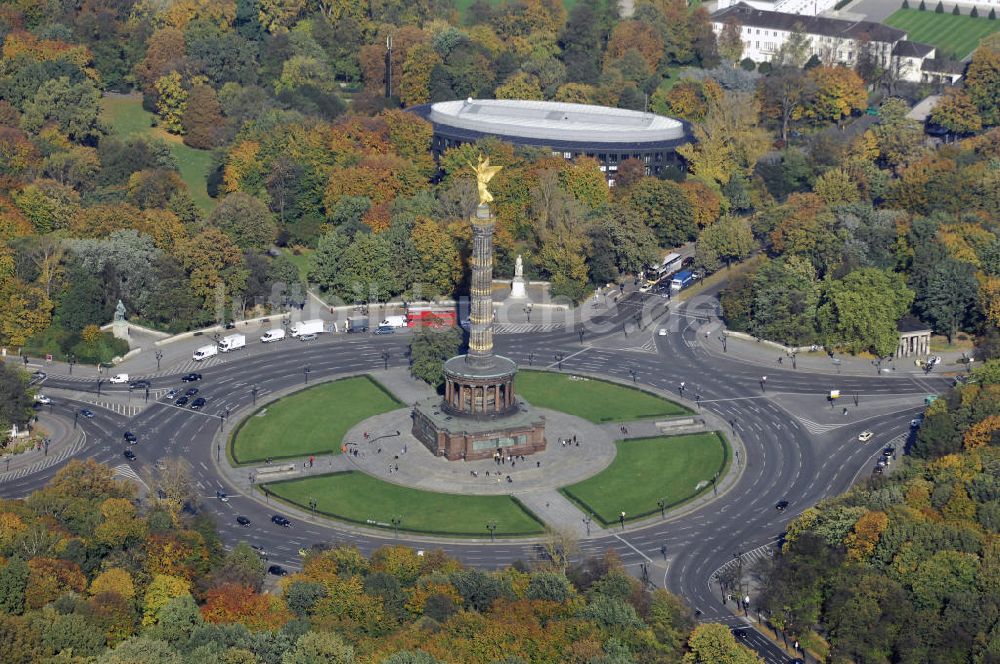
x,y
766,354
64,441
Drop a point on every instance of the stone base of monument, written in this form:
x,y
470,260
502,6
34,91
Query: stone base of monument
x,y
517,289
119,329
467,439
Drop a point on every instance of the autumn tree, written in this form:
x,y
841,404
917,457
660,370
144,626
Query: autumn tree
x,y
726,241
837,92
246,220
440,263
861,310
982,81
729,141
711,642
201,120
730,42
957,113
171,101
784,94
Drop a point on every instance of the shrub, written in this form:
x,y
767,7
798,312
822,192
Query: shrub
x,y
974,13
747,64
922,7
906,4
955,11
940,7
993,15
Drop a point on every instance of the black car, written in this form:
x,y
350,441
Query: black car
x,y
129,454
782,504
131,438
86,412
140,384
889,451
182,401
191,392
385,329
243,521
277,570
230,325
191,377
38,375
279,520
198,403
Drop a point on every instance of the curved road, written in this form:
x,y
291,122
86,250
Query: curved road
x,y
785,461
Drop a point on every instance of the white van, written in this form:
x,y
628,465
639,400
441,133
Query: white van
x,y
205,352
119,378
277,334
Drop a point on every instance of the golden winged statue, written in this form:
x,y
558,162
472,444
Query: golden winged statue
x,y
484,173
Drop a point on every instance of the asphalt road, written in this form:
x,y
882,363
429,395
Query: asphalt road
x,y
784,460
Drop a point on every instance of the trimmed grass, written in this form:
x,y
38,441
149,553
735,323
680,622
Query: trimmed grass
x,y
312,421
649,469
956,35
301,260
357,497
126,117
592,399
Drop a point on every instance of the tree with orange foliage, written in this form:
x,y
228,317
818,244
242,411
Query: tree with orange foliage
x,y
981,433
380,178
164,54
19,157
864,536
706,203
51,577
120,525
583,180
234,603
838,92
643,38
113,580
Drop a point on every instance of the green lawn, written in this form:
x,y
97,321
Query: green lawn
x,y
649,469
301,260
126,117
312,421
592,399
357,497
955,35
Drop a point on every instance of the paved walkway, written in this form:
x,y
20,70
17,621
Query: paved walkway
x,y
767,355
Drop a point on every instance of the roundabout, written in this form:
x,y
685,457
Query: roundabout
x,y
378,474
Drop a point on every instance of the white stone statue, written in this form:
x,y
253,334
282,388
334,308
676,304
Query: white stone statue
x,y
517,291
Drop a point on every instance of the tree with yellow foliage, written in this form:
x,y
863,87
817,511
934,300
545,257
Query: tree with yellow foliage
x,y
161,590
113,580
864,536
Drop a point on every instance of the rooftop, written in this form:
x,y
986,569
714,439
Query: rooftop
x,y
814,25
909,324
555,121
909,49
943,66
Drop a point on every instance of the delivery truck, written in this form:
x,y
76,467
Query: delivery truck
x,y
682,280
314,326
232,342
393,321
357,324
277,334
205,352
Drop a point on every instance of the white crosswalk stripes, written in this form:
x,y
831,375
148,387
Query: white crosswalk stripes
x,y
747,559
817,428
46,461
523,328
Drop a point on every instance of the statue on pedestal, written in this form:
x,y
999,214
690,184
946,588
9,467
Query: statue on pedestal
x,y
517,291
119,328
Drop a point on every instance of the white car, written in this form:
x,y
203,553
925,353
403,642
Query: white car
x,y
934,360
916,422
865,436
119,378
662,332
42,399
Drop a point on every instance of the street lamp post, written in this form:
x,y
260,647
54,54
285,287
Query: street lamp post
x,y
632,373
492,527
313,504
222,421
580,331
715,489
385,359
72,361
586,521
856,398
218,452
395,524
697,401
306,373
559,359
159,356
531,359
680,389
147,394
662,504
763,383
621,519
253,393
99,381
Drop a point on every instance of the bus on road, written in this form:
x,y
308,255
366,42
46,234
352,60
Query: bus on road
x,y
670,264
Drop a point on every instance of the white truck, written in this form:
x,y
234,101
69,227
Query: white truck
x,y
276,334
314,326
394,321
232,342
205,352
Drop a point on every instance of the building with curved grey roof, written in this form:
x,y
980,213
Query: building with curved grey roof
x,y
609,135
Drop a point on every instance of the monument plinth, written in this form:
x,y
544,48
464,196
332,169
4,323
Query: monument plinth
x,y
480,413
517,286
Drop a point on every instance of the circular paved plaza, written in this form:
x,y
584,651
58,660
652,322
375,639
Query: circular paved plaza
x,y
576,450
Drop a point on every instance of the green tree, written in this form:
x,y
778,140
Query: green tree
x,y
429,350
13,582
663,206
622,244
862,309
950,300
727,240
982,81
410,657
319,648
246,220
711,643
72,107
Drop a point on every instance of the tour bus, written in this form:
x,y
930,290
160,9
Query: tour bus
x,y
671,263
428,316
